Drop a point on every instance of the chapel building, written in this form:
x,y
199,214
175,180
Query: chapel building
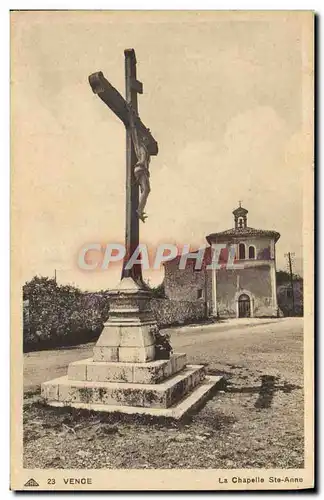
x,y
246,290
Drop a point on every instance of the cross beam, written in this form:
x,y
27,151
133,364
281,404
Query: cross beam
x,y
114,100
121,107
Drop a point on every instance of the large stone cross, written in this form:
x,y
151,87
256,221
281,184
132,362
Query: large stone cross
x,y
132,370
123,108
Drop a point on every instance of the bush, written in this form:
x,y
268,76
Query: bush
x,y
61,315
158,292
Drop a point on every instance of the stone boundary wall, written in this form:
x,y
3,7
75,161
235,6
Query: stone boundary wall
x,y
178,312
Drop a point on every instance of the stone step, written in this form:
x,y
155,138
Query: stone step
x,y
196,398
151,372
161,395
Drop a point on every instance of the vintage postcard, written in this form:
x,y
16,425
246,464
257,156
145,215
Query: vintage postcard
x,y
162,213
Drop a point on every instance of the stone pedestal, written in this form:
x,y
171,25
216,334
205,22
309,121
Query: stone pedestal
x,y
123,375
128,335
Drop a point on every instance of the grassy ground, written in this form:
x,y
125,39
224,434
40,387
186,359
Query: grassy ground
x,y
242,426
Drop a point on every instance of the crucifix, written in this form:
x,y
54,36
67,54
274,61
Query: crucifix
x,y
140,146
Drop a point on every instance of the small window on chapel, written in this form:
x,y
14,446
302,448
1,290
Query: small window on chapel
x,y
199,293
251,252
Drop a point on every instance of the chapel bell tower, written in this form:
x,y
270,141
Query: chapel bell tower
x,y
240,217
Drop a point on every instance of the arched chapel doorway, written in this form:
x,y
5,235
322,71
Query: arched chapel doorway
x,y
244,306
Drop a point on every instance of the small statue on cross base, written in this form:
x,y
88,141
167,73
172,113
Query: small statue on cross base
x,y
163,348
141,169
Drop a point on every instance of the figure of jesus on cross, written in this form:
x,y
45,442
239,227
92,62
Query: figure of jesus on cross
x,y
141,169
140,146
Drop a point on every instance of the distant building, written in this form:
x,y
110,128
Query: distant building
x,y
291,305
246,292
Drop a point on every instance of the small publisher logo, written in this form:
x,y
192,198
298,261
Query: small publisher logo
x,y
31,482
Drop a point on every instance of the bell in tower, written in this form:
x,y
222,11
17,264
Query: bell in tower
x,y
240,217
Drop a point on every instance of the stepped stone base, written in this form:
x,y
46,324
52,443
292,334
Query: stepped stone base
x,y
188,404
123,375
168,388
151,372
160,395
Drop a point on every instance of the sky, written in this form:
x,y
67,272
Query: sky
x,y
224,96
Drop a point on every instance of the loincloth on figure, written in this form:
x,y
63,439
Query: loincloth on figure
x,y
141,170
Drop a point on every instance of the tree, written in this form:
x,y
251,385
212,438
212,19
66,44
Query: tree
x,y
284,277
61,314
158,291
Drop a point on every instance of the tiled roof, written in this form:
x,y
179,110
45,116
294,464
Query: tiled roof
x,y
244,231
